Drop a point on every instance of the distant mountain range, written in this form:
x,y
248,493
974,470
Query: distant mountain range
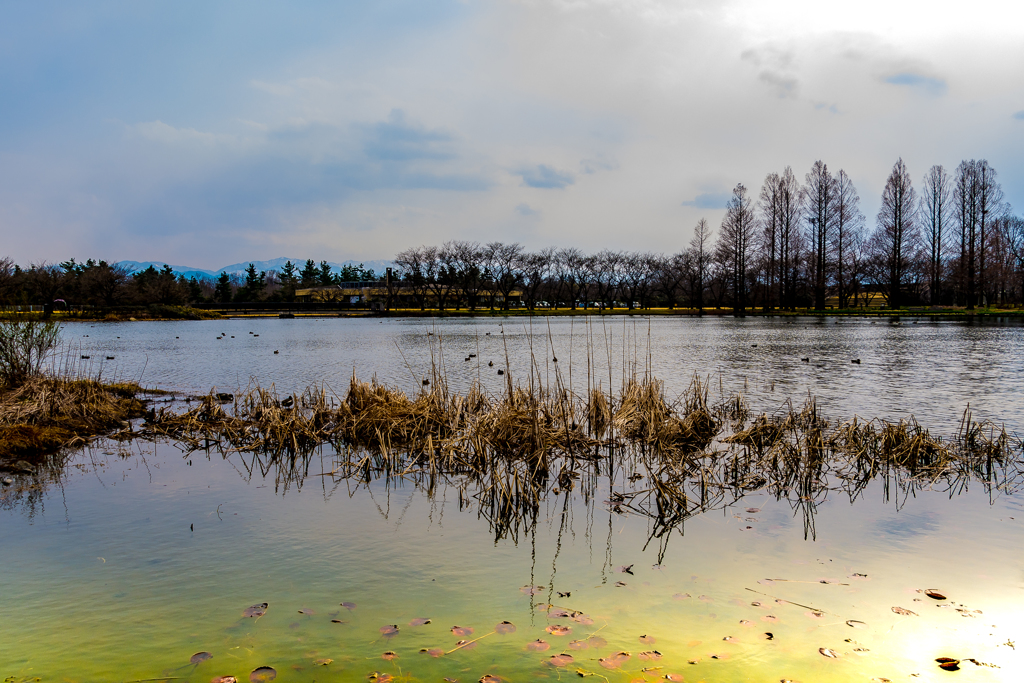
x,y
239,268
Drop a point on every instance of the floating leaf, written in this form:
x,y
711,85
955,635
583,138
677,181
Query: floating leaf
x,y
537,646
705,598
263,674
306,610
719,655
677,678
770,618
578,645
461,631
419,622
389,631
465,645
681,596
433,652
381,678
505,628
614,661
349,605
650,655
625,569
814,614
223,679
729,639
560,660
696,660
768,635
746,622
904,612
827,652
338,621
199,657
620,584
647,640
597,642
531,590
858,575
934,594
853,623
389,656
559,613
256,610
948,663
490,678
322,662
558,630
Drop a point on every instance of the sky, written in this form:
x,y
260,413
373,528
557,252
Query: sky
x,y
206,133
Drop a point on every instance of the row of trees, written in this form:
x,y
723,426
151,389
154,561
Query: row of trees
x,y
102,284
794,245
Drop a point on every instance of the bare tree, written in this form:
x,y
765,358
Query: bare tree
x,y
771,228
897,230
789,238
503,264
734,245
700,248
819,205
990,200
936,205
848,233
535,268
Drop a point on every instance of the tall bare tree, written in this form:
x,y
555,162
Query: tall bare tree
x,y
847,235
990,200
700,248
897,230
735,243
771,229
819,206
788,237
936,206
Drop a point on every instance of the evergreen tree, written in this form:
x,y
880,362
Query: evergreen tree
x,y
222,292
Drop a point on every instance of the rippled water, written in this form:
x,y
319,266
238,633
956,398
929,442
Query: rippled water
x,y
140,556
931,369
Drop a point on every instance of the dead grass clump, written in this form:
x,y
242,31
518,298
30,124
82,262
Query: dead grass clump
x,y
642,410
906,444
43,414
761,435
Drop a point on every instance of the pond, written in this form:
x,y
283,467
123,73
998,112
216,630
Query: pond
x,y
137,556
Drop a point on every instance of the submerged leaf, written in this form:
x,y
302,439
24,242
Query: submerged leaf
x,y
199,657
349,605
537,646
263,674
419,622
560,660
256,610
505,628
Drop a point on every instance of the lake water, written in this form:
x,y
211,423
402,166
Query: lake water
x,y
139,555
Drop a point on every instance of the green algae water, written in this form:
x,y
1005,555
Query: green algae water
x,y
140,561
140,557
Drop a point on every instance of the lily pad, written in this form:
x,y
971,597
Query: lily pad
x,y
349,605
433,652
255,611
465,644
307,611
531,590
676,678
419,622
681,596
614,661
389,631
199,657
537,646
558,630
263,674
770,618
560,660
705,598
223,679
746,622
389,656
650,655
490,678
828,652
461,631
597,642
322,662
577,645
903,611
583,619
505,628
647,640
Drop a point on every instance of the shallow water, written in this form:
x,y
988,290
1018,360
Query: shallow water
x,y
140,556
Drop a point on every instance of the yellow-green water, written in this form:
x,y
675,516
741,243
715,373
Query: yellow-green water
x,y
102,579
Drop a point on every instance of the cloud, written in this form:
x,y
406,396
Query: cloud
x,y
397,140
929,84
158,131
591,166
527,211
777,67
1019,115
544,177
710,200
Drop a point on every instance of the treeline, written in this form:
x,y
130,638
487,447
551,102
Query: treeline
x,y
104,285
793,245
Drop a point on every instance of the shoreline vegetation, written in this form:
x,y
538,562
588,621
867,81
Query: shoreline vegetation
x,y
668,458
